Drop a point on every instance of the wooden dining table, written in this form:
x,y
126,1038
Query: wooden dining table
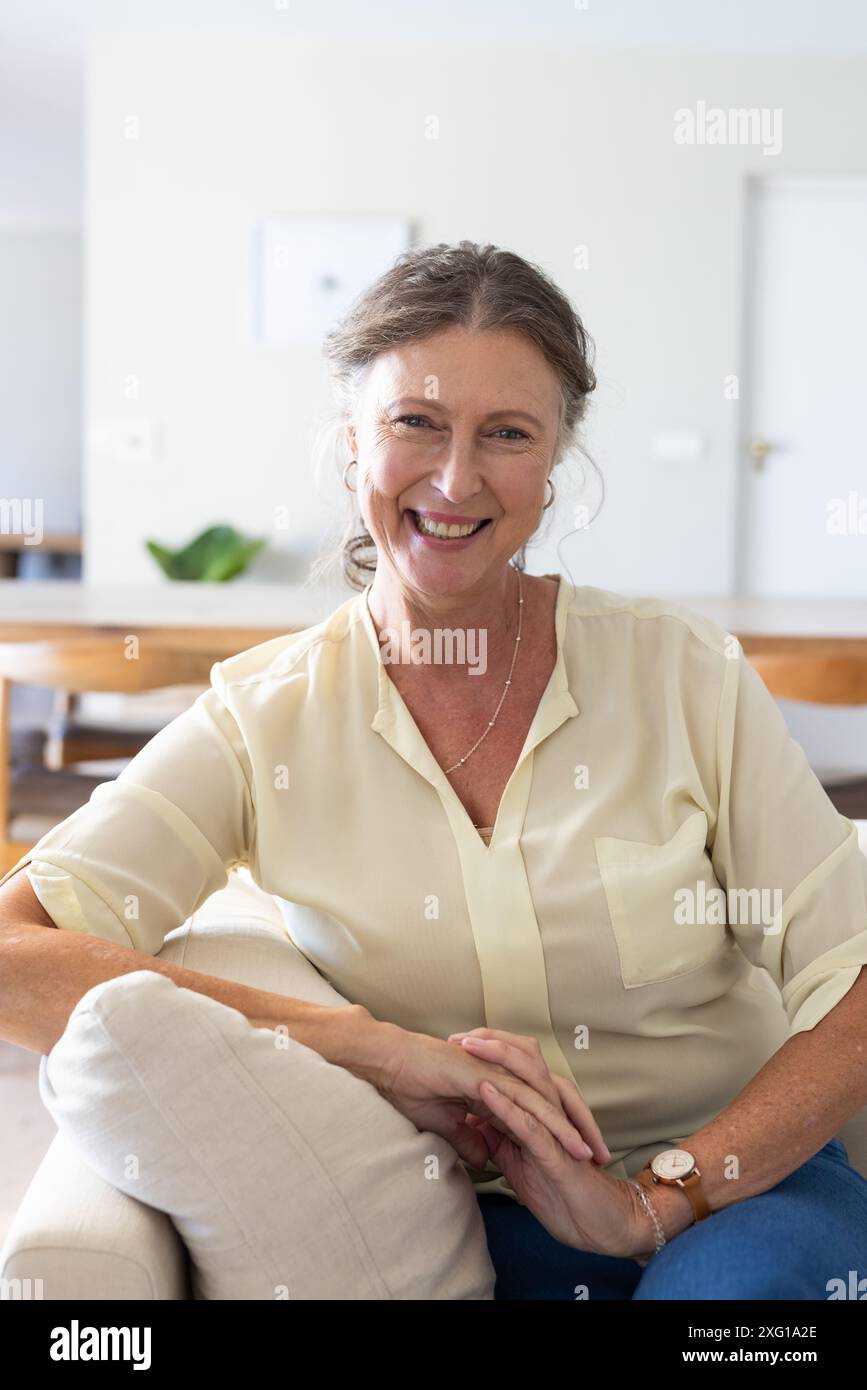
x,y
228,618
220,619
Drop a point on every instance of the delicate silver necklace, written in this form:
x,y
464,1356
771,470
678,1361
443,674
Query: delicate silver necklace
x,y
491,722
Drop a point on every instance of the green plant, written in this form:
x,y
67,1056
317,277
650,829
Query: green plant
x,y
215,555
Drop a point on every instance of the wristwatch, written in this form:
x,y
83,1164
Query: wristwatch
x,y
678,1167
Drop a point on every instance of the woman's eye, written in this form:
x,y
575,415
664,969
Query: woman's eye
x,y
504,429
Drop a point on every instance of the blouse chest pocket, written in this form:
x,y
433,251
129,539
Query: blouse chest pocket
x,y
663,911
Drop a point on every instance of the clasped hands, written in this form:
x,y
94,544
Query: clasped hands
x,y
547,1144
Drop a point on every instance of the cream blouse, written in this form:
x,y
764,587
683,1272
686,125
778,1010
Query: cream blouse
x,y
667,896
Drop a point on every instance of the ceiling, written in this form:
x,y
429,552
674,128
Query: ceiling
x,y
714,24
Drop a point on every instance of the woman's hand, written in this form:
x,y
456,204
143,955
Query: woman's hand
x,y
437,1084
576,1201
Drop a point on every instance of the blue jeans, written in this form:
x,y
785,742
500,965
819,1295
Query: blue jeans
x,y
789,1242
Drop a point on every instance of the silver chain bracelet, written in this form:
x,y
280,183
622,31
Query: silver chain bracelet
x,y
651,1212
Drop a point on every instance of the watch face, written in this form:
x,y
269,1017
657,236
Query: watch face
x,y
673,1163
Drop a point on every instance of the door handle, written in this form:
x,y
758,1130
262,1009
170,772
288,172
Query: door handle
x,y
759,450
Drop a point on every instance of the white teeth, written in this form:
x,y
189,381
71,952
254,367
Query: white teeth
x,y
443,529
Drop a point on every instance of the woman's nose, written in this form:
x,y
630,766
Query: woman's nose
x,y
459,474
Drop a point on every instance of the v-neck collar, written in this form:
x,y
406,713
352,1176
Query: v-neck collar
x,y
395,723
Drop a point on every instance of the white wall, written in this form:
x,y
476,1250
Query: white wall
x,y
539,150
40,371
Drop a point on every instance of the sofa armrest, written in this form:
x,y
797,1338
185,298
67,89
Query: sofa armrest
x,y
84,1239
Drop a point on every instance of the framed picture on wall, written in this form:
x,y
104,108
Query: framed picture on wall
x,y
307,270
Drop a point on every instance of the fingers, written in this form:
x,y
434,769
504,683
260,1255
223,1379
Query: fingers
x,y
521,1040
537,1074
529,1065
582,1117
521,1055
580,1135
547,1113
521,1125
469,1145
506,1154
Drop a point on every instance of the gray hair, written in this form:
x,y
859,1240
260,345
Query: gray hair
x,y
425,290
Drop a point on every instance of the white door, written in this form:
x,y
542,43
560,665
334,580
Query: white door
x,y
802,526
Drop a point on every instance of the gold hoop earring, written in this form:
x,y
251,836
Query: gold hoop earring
x,y
551,498
345,471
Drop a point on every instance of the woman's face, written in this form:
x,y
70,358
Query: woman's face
x,y
459,429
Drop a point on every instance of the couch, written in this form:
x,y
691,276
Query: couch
x,y
83,1238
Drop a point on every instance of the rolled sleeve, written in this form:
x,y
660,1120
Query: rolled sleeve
x,y
779,833
151,846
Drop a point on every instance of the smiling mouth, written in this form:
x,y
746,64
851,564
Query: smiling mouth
x,y
445,531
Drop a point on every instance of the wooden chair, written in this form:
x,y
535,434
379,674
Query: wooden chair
x,y
72,738
33,797
821,679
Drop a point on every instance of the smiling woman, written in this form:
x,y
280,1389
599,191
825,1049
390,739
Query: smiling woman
x,y
503,880
457,344
451,496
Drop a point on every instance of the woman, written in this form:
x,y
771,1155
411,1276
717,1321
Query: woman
x,y
507,810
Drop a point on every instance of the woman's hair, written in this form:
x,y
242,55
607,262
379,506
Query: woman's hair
x,y
428,289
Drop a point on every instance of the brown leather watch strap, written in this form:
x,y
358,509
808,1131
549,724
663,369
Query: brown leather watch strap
x,y
695,1192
